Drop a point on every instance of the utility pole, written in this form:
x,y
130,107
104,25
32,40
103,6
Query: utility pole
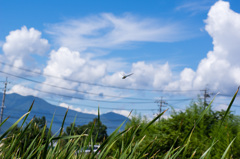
x,y
3,100
161,103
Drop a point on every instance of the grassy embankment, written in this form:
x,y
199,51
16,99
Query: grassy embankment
x,y
72,146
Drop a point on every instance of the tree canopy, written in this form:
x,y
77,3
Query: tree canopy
x,y
177,126
99,129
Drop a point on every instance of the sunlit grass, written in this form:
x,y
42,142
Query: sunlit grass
x,y
74,145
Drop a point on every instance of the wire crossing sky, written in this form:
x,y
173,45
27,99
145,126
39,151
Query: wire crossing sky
x,y
77,51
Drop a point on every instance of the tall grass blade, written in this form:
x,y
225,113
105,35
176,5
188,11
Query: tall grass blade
x,y
225,115
193,154
146,148
17,140
73,125
109,139
225,153
150,123
98,116
61,130
13,126
208,151
25,155
199,119
68,137
43,133
47,140
185,151
4,121
89,136
13,145
170,151
229,107
28,113
177,153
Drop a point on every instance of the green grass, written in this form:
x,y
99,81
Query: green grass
x,y
125,144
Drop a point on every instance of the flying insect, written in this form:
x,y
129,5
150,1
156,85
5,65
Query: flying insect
x,y
125,76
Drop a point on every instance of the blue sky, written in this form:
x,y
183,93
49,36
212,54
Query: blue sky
x,y
177,46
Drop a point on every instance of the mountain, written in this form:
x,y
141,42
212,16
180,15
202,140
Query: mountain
x,y
17,105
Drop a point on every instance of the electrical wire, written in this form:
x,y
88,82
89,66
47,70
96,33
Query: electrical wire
x,y
104,101
64,88
81,98
60,115
83,92
100,107
96,84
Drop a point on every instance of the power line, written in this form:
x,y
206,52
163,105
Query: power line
x,y
95,84
74,97
64,88
106,101
186,99
183,99
61,115
91,106
101,107
84,92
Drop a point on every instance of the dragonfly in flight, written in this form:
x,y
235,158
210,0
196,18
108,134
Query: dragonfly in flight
x,y
125,76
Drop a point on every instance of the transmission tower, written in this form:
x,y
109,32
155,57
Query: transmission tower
x,y
161,103
205,96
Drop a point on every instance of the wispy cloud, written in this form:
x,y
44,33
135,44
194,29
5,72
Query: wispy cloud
x,y
108,31
195,6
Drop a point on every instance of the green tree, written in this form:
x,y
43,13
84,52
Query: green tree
x,y
99,130
178,125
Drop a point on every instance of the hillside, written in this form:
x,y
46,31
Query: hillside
x,y
17,105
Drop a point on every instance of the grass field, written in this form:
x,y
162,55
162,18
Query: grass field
x,y
124,144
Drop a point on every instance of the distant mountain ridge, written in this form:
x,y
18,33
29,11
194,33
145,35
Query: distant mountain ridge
x,y
17,105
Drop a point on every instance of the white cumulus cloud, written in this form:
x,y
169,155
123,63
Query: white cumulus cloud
x,y
24,91
144,75
220,69
21,45
65,63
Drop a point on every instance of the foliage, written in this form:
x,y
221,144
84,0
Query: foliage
x,y
34,128
99,131
197,132
175,128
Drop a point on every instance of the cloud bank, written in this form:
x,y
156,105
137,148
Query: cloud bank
x,y
220,70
